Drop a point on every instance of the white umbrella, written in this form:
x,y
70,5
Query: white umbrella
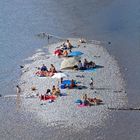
x,y
59,75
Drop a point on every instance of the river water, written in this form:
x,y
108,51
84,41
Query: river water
x,y
114,21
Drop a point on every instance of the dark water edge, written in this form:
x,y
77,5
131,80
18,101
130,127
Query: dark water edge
x,y
116,21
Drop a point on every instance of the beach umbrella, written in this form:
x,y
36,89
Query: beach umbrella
x,y
69,62
75,53
59,75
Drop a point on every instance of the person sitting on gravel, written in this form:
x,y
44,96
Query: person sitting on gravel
x,y
68,44
79,65
65,53
50,72
44,68
53,90
57,91
85,100
85,64
52,69
48,92
72,84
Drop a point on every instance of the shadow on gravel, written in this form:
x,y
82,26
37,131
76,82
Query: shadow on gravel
x,y
102,88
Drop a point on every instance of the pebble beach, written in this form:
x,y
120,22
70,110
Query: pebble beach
x,y
109,86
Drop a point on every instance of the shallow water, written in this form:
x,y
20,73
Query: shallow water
x,y
116,21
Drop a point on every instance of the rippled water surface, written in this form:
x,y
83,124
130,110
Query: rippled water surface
x,y
116,21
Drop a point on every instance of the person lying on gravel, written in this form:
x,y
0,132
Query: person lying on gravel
x,y
87,64
58,52
91,101
47,73
44,73
57,92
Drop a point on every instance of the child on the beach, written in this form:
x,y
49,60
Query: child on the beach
x,y
91,83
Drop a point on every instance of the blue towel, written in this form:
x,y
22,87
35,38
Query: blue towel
x,y
79,101
89,70
63,94
67,82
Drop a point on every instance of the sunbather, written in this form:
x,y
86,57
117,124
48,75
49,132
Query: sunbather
x,y
44,68
85,100
65,53
72,84
48,92
52,69
58,52
90,64
85,63
53,90
68,44
57,92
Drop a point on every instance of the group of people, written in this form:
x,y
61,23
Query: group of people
x,y
45,72
86,101
71,85
84,65
67,45
55,91
64,49
91,101
51,94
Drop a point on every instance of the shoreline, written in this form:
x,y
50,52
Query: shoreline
x,y
109,86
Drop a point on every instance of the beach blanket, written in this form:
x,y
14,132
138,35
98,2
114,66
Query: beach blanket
x,y
79,101
45,97
82,105
89,70
75,53
58,52
66,83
